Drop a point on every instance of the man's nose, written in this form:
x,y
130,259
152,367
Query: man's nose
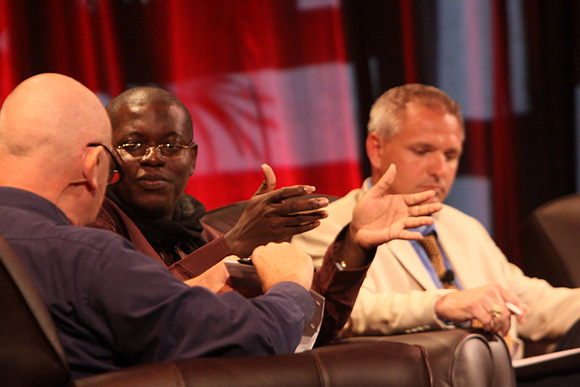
x,y
152,157
437,164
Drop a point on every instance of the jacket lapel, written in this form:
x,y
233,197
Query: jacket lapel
x,y
408,258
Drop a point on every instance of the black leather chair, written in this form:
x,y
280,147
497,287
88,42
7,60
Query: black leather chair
x,y
550,242
32,355
550,245
457,357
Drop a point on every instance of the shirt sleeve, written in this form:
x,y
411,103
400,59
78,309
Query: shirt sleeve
x,y
339,287
148,315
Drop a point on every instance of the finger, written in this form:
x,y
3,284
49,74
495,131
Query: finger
x,y
282,194
230,258
508,296
301,206
500,315
518,308
385,181
297,220
502,322
378,237
410,235
519,312
505,324
269,182
414,222
294,220
482,315
425,209
419,197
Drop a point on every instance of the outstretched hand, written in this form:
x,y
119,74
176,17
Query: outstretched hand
x,y
380,217
270,217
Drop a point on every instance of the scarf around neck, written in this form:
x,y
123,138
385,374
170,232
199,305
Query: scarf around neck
x,y
183,231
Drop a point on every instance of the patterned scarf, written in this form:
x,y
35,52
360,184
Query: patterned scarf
x,y
167,237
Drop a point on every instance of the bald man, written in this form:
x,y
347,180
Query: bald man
x,y
54,140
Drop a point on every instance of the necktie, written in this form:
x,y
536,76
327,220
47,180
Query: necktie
x,y
429,243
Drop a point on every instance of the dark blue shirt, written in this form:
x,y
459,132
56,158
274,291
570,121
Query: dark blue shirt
x,y
115,307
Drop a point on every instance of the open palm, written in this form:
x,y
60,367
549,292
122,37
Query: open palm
x,y
380,217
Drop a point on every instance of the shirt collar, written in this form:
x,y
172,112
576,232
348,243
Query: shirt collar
x,y
426,230
28,201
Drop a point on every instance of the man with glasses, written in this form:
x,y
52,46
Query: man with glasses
x,y
153,136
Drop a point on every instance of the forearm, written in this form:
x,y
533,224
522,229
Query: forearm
x,y
340,287
348,254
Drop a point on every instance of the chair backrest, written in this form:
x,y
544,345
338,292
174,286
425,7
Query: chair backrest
x,y
224,218
550,242
31,353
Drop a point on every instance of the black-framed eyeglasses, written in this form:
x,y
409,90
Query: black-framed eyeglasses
x,y
166,150
115,170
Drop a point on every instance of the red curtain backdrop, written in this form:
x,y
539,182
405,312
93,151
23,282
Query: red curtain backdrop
x,y
290,83
265,81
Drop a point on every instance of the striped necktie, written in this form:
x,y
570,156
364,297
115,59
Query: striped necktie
x,y
429,243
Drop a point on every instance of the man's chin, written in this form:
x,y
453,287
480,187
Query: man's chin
x,y
437,198
153,210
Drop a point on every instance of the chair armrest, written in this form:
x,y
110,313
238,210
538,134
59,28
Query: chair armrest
x,y
364,364
459,357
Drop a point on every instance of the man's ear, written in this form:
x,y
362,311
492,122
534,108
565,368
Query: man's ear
x,y
374,145
193,150
92,166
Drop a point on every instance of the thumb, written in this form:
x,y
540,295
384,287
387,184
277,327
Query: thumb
x,y
386,180
269,182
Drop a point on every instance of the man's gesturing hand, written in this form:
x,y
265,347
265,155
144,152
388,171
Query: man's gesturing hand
x,y
270,217
380,217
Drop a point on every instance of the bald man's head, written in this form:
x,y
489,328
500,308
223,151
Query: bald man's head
x,y
46,124
51,114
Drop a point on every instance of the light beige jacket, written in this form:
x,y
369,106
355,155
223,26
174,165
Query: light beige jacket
x,y
398,294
